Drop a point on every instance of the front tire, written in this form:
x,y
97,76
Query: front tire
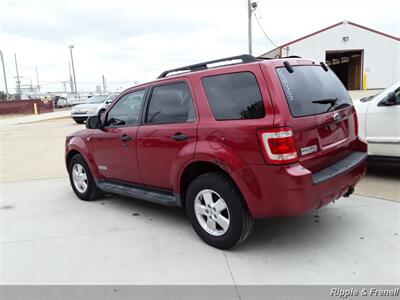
x,y
79,120
81,179
101,112
217,212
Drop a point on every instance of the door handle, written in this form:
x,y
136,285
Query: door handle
x,y
125,138
179,137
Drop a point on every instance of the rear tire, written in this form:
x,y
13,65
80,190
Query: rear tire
x,y
221,224
81,179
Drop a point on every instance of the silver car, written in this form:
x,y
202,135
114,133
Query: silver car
x,y
95,105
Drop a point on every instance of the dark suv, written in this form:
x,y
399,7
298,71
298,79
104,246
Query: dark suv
x,y
248,139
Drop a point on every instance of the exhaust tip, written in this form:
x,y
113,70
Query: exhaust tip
x,y
349,192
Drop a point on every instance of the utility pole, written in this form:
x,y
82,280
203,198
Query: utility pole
x,y
4,74
249,13
70,78
104,84
251,6
65,86
37,80
73,67
18,89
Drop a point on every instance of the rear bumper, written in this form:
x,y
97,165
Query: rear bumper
x,y
293,190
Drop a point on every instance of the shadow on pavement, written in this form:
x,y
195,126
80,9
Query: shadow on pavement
x,y
319,228
287,233
141,208
384,169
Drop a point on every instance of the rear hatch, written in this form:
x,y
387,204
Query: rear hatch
x,y
322,114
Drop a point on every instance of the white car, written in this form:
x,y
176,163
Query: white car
x,y
95,105
379,122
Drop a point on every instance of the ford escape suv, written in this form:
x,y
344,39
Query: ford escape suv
x,y
230,140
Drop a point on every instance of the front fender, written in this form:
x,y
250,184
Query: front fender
x,y
81,146
101,107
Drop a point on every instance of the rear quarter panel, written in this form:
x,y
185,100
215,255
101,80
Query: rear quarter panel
x,y
231,143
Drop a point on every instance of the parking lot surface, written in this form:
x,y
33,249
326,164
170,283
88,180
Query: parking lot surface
x,y
48,236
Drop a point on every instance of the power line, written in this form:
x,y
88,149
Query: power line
x,y
262,29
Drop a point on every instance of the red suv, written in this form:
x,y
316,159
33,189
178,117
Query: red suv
x,y
230,140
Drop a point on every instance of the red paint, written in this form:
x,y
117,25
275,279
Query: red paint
x,y
119,157
153,159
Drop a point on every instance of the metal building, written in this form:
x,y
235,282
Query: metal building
x,y
363,58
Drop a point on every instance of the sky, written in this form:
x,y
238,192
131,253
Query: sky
x,y
134,41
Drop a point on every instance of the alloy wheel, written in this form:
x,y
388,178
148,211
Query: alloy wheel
x,y
79,178
212,212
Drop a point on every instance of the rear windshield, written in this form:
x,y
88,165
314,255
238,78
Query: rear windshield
x,y
310,90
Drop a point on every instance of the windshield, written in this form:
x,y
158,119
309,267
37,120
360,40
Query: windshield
x,y
111,98
394,88
310,90
96,99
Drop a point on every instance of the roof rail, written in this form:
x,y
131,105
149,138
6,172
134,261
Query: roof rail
x,y
245,58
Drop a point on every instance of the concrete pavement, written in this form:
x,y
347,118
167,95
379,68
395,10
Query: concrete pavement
x,y
36,118
48,236
34,150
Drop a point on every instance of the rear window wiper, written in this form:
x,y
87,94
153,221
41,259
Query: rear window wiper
x,y
342,105
331,101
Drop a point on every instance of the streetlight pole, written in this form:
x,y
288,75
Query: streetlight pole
x,y
70,78
104,84
251,6
4,74
37,80
73,67
249,15
16,68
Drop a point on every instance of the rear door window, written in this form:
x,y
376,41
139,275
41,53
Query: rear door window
x,y
310,90
234,96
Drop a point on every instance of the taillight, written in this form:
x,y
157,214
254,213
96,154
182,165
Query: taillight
x,y
278,145
355,123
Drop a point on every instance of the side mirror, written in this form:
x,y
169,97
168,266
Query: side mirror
x,y
389,100
93,122
108,102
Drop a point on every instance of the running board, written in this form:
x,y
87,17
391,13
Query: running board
x,y
139,192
